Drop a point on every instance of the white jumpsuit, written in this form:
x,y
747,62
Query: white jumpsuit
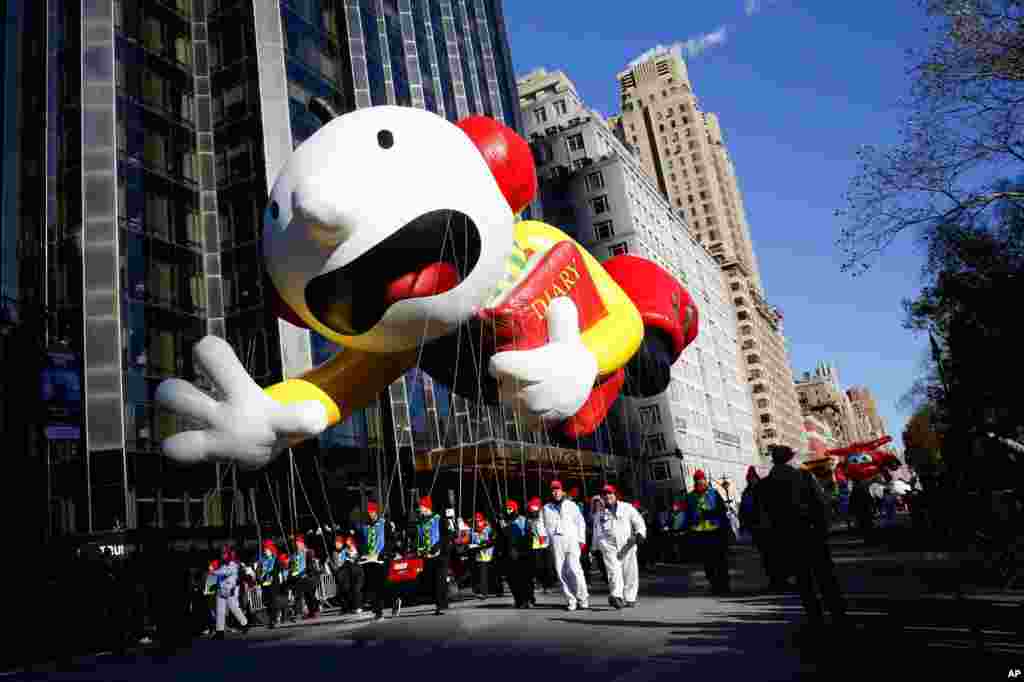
x,y
227,595
565,526
613,528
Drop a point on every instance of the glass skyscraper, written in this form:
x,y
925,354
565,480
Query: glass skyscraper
x,y
166,124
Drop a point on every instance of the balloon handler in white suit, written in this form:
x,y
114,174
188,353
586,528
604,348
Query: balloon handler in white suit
x,y
227,592
568,532
392,233
618,528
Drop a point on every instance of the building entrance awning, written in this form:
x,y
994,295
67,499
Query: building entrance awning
x,y
514,458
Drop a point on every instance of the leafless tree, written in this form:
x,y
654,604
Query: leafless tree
x,y
962,138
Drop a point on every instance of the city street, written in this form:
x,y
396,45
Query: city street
x,y
677,629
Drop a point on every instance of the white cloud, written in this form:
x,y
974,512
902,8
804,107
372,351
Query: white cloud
x,y
752,7
689,48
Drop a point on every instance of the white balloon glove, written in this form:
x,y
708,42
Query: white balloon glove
x,y
249,426
551,383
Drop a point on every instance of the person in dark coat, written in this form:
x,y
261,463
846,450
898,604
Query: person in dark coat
x,y
518,555
750,522
795,515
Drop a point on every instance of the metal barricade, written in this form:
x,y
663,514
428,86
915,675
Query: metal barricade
x,y
254,599
327,588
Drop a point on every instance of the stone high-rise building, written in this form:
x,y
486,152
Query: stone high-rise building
x,y
865,411
683,149
822,397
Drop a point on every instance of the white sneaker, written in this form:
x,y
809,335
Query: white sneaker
x,y
359,612
572,606
584,605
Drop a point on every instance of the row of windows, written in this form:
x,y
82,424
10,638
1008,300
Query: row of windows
x,y
540,114
157,32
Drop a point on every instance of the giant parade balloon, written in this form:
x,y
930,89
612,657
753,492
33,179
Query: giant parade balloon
x,y
392,232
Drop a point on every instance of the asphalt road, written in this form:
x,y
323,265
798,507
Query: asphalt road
x,y
676,630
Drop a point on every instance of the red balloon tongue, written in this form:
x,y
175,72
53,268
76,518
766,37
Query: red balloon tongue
x,y
430,280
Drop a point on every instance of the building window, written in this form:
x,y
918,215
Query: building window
x,y
654,444
600,204
766,419
595,181
650,415
762,403
742,315
575,142
540,115
620,249
578,164
603,230
660,471
560,107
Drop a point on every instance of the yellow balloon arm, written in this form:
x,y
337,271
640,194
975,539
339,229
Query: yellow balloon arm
x,y
349,381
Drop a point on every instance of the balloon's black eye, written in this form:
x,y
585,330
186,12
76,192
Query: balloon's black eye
x,y
275,210
385,139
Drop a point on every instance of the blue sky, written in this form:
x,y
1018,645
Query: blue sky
x,y
798,86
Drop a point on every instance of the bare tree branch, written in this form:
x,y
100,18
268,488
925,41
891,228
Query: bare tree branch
x,y
964,133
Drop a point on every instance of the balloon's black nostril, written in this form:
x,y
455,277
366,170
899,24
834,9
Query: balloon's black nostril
x,y
385,139
275,210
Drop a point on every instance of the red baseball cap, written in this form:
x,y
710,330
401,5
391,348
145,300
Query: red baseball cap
x,y
699,475
371,507
513,505
534,504
609,489
556,485
425,501
636,504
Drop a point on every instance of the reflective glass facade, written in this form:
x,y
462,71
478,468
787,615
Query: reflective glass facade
x,y
169,122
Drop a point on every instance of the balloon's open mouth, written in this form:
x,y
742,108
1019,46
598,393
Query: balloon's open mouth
x,y
428,256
